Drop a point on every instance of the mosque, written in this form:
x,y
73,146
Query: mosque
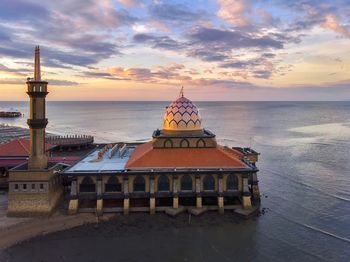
x,y
182,168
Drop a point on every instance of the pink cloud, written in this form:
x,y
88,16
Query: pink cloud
x,y
332,23
233,11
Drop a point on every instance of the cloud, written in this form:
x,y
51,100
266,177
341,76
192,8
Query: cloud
x,y
331,22
162,42
229,39
234,11
24,10
129,3
20,81
14,71
83,28
176,13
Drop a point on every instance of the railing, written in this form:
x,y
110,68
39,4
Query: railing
x,y
70,140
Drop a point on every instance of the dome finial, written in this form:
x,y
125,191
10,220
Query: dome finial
x,y
181,92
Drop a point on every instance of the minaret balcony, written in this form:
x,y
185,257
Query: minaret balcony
x,y
37,123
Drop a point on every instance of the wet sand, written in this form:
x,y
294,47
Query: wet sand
x,y
133,237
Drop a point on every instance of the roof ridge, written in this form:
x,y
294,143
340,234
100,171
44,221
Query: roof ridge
x,y
226,150
20,142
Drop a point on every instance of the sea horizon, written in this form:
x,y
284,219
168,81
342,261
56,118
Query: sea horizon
x,y
303,177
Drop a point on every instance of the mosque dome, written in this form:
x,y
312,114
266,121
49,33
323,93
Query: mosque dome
x,y
182,115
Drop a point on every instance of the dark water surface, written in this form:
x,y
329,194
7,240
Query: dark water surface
x,y
304,180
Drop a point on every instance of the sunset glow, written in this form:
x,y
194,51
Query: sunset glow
x,y
147,50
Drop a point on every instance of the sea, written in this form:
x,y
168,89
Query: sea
x,y
304,180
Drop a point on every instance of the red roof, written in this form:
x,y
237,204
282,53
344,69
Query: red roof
x,y
18,147
9,163
145,156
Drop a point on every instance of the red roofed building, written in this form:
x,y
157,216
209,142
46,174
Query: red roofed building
x,y
19,148
183,165
16,152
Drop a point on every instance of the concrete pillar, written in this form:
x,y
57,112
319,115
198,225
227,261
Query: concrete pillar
x,y
175,192
221,204
246,201
175,202
152,205
198,184
73,202
220,197
152,200
99,188
99,207
73,206
199,202
198,192
73,188
126,206
175,185
255,187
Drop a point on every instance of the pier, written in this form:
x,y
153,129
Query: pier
x,y
70,141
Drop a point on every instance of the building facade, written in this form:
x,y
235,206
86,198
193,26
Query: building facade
x,y
183,167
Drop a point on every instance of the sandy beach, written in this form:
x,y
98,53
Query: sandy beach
x,y
16,230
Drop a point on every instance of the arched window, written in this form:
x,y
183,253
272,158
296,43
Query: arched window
x,y
139,184
168,143
184,143
163,183
186,183
87,185
200,143
232,182
113,185
209,183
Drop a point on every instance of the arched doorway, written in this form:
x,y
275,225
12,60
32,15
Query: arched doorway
x,y
163,183
139,184
113,185
87,185
209,183
232,182
186,183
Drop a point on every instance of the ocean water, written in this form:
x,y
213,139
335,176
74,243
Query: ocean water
x,y
304,180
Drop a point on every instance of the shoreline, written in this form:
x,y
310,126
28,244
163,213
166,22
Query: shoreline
x,y
111,224
34,227
17,230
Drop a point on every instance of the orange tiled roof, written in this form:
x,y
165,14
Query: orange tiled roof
x,y
145,156
18,147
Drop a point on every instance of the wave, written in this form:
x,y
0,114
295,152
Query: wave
x,y
311,227
308,186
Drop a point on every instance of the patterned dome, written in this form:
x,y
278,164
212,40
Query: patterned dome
x,y
182,115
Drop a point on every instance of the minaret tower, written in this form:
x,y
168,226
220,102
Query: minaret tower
x,y
37,121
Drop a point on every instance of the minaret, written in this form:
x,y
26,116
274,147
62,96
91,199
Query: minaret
x,y
37,121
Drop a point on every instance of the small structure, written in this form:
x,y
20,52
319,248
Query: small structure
x,y
72,141
182,168
17,151
10,112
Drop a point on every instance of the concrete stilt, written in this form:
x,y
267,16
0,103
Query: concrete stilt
x,y
246,202
199,202
126,206
152,205
175,202
73,206
99,207
221,204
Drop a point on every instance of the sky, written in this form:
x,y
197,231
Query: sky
x,y
226,50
